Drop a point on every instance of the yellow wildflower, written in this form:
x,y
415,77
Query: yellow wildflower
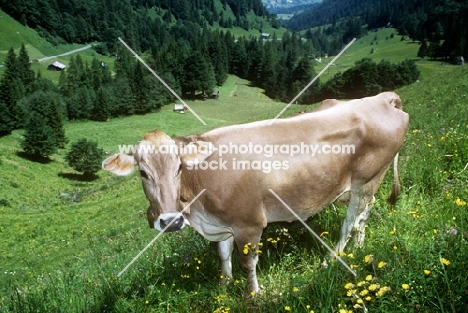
x,y
146,302
405,286
287,308
323,233
427,272
349,286
369,258
295,289
381,264
361,283
364,293
252,293
351,256
374,287
350,292
383,291
434,231
369,277
445,261
460,202
392,232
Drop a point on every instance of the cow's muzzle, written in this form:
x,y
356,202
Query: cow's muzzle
x,y
169,222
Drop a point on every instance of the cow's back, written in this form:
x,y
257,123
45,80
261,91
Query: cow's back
x,y
374,126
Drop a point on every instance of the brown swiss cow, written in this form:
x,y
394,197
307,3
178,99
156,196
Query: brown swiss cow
x,y
342,150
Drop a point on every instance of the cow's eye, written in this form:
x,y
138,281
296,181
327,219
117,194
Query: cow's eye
x,y
143,174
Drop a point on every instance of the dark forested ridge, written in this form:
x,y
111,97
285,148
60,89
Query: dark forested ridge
x,y
140,21
431,20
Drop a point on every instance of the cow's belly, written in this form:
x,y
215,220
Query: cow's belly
x,y
304,203
209,226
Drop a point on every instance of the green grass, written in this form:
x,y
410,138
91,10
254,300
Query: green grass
x,y
383,47
65,239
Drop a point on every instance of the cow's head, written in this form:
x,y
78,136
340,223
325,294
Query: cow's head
x,y
161,161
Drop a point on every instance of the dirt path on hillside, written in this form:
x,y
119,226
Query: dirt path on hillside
x,y
62,54
66,53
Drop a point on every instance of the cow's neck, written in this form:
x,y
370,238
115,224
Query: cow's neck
x,y
190,185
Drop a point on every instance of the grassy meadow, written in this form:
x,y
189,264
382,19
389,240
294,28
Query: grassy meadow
x,y
64,239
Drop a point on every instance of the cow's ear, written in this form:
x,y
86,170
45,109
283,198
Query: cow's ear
x,y
119,164
196,152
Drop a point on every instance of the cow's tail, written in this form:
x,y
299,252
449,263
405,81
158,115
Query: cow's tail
x,y
393,197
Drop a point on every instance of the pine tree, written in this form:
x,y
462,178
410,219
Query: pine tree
x,y
219,58
79,106
38,139
123,104
54,120
140,90
423,49
101,106
11,90
6,122
267,75
25,74
123,64
47,106
95,74
300,77
198,74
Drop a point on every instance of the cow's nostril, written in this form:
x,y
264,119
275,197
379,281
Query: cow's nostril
x,y
171,224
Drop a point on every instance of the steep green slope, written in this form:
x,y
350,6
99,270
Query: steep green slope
x,y
13,34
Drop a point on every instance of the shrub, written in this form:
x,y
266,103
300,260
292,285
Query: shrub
x,y
85,156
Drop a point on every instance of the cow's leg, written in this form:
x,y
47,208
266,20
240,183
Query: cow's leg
x,y
348,223
360,223
367,201
247,246
358,210
225,253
